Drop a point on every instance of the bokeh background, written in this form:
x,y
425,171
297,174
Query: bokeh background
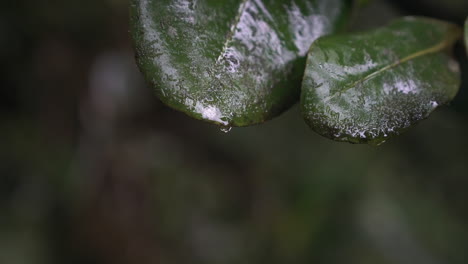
x,y
93,169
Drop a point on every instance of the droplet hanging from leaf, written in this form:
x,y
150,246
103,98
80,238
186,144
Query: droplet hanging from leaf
x,y
366,87
233,63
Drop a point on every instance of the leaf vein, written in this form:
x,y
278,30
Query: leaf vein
x,y
232,31
433,49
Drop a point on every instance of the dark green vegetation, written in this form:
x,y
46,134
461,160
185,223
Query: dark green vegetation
x,y
367,87
241,63
94,170
233,63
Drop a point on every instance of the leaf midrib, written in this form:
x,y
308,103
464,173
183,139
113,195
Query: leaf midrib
x,y
232,31
452,36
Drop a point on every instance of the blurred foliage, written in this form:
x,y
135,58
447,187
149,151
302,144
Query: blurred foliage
x,y
94,170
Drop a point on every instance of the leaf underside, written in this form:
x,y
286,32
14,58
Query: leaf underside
x,y
367,87
233,63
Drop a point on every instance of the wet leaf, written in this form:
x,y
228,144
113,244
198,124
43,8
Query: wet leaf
x,y
366,87
233,63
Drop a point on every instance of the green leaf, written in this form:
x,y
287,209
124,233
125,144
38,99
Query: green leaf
x,y
366,87
233,63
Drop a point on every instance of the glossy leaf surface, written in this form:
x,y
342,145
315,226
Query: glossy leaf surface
x,y
366,87
231,62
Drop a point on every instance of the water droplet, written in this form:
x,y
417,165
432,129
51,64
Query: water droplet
x,y
225,129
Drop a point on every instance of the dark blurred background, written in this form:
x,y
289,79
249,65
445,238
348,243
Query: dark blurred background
x,y
93,169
